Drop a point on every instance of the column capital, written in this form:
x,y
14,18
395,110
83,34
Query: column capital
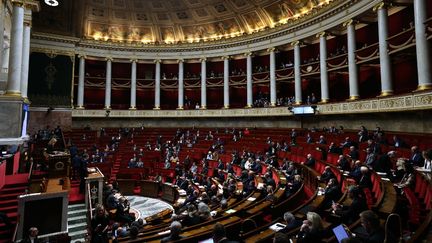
x,y
271,49
248,54
203,59
381,5
349,22
109,59
225,57
322,34
295,43
81,55
32,5
133,60
180,60
19,3
157,61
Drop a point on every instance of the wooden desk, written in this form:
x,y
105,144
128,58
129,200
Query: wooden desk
x,y
149,188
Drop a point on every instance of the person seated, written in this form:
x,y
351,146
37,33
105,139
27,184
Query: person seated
x,y
332,193
398,143
333,148
175,230
294,186
400,169
309,139
374,147
371,158
312,229
192,217
219,234
347,143
322,140
408,179
204,212
355,172
139,163
280,237
350,214
99,225
384,163
427,156
291,223
371,223
269,192
365,179
343,163
326,175
310,161
416,158
353,153
122,213
269,180
363,134
138,223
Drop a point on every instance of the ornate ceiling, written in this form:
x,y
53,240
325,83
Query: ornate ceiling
x,y
170,21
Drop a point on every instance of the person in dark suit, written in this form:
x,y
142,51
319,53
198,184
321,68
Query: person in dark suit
x,y
365,179
343,163
350,213
310,161
219,234
416,157
327,175
32,236
291,223
269,180
353,153
175,230
384,163
332,193
371,223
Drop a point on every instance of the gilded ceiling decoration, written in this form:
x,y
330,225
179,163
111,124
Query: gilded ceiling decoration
x,y
175,21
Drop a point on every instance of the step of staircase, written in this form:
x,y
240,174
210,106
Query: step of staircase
x,y
77,222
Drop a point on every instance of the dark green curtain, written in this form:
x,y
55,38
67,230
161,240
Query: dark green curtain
x,y
50,79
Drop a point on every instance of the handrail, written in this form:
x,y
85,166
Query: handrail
x,y
16,229
90,208
30,171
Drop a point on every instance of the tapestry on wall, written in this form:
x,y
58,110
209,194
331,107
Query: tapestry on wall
x,y
50,79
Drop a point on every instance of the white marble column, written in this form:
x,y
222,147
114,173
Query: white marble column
x,y
323,68
272,76
352,65
249,83
81,75
297,73
2,26
157,84
26,53
16,48
133,85
203,84
385,62
180,84
422,46
108,83
226,82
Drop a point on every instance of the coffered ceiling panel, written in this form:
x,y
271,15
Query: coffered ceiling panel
x,y
170,21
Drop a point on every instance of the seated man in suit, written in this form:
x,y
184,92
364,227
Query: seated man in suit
x,y
175,230
327,175
291,223
310,161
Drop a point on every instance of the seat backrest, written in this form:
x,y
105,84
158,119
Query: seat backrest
x,y
393,229
248,225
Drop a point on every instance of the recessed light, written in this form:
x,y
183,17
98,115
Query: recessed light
x,y
52,3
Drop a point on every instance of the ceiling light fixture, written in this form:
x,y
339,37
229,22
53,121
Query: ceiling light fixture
x,y
52,3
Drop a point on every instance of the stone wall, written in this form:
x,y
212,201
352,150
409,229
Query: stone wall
x,y
41,118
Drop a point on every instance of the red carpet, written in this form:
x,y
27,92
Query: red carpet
x,y
74,195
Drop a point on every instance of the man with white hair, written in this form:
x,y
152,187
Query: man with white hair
x,y
175,229
291,223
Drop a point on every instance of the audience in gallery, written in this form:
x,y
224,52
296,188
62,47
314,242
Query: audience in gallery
x,y
251,162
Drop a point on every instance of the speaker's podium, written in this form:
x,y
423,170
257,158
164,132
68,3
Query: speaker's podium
x,y
59,164
169,192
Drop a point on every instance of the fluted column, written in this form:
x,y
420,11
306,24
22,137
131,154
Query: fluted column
x,y
203,84
249,84
352,65
385,64
80,98
297,73
323,68
108,83
16,49
25,53
133,85
422,46
226,82
272,76
180,84
157,84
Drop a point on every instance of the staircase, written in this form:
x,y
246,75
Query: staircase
x,y
9,206
77,222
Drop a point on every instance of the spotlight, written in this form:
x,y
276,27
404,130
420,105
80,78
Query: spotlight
x,y
52,3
